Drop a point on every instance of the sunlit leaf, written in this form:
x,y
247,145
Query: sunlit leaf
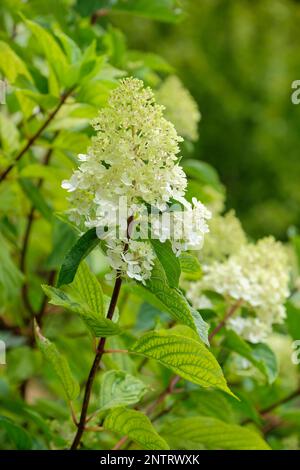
x,y
136,426
11,64
97,324
184,355
201,432
171,300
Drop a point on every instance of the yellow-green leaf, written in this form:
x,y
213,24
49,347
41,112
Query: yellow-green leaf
x,y
87,288
59,364
11,64
203,432
136,426
97,324
118,388
184,355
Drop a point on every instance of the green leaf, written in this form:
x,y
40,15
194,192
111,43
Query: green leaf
x,y
260,355
161,10
88,289
97,324
293,319
11,277
171,300
28,413
120,389
267,359
202,172
59,364
70,47
70,141
190,266
205,193
168,260
24,363
184,355
53,52
210,433
78,252
9,134
296,244
117,361
245,407
64,238
45,101
36,170
11,64
16,434
136,426
206,402
35,196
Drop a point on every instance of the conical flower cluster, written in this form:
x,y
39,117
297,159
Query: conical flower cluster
x,y
258,276
134,155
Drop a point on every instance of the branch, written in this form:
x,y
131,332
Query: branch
x,y
273,406
35,136
113,351
43,306
94,368
222,323
99,352
168,391
280,402
119,444
98,14
30,221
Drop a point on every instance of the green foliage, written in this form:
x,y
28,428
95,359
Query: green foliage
x,y
59,364
260,355
136,426
18,436
190,266
172,301
10,276
161,10
184,355
210,433
168,260
78,252
85,297
60,61
293,319
120,389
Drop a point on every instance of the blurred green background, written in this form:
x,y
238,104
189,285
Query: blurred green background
x,y
239,58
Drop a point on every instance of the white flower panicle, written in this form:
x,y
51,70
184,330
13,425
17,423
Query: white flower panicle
x,y
226,236
137,262
258,275
133,156
180,107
